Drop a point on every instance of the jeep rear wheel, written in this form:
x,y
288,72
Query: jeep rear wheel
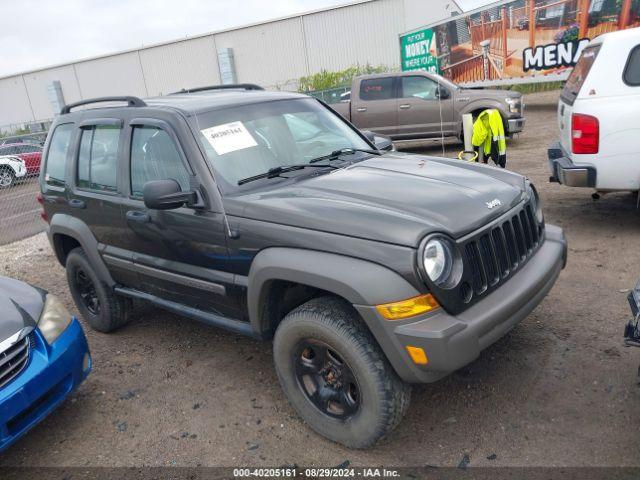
x,y
335,375
7,177
103,310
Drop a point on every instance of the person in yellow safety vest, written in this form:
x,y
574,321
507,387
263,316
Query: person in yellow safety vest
x,y
488,132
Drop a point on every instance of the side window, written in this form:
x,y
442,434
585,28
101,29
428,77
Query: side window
x,y
419,87
57,154
98,158
154,156
631,73
377,88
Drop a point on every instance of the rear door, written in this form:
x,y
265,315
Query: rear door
x,y
571,91
421,111
95,193
376,105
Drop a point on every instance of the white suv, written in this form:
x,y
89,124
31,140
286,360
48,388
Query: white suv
x,y
11,168
599,117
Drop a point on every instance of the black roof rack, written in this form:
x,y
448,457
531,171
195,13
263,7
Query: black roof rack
x,y
131,102
229,86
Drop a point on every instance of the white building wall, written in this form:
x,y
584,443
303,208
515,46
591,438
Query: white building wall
x,y
37,85
185,64
271,54
274,54
418,13
114,75
362,33
14,102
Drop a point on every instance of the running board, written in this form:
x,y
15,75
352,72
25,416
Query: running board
x,y
236,326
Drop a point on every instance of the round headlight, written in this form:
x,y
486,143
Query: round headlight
x,y
537,204
437,260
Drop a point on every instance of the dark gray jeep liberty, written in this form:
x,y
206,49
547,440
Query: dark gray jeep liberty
x,y
268,214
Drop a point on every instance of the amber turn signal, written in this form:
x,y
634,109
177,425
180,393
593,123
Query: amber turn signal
x,y
408,308
418,355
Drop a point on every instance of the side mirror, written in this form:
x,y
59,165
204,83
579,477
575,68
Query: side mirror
x,y
166,195
382,142
442,93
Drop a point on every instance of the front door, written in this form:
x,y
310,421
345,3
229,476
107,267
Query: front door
x,y
425,108
178,254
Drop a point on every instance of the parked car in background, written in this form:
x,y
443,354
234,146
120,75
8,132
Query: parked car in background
x,y
267,214
598,117
31,154
418,104
43,357
12,168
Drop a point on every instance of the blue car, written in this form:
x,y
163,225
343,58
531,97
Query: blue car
x,y
43,357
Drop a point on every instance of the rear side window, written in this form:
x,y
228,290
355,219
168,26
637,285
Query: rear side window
x,y
377,89
154,156
57,155
579,74
98,158
631,74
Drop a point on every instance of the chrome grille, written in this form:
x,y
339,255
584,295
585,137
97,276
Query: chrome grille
x,y
14,359
498,252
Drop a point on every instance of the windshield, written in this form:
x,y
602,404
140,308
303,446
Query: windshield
x,y
247,140
579,74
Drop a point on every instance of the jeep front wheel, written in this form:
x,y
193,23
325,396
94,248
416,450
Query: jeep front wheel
x,y
335,375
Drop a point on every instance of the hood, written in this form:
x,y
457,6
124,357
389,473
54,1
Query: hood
x,y
21,306
396,198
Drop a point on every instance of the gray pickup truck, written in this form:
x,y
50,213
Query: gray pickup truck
x,y
418,104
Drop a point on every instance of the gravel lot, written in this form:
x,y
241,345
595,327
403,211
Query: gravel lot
x,y
559,390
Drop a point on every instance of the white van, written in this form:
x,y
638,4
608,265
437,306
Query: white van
x,y
599,117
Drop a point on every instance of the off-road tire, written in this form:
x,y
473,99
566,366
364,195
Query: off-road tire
x,y
384,398
114,311
11,175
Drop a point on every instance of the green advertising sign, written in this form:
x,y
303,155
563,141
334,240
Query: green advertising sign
x,y
418,51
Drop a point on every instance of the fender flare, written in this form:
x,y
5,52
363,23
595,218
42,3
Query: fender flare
x,y
358,281
63,224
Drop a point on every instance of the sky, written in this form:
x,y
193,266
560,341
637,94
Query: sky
x,y
50,32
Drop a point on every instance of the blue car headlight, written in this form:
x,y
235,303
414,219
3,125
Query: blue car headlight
x,y
54,320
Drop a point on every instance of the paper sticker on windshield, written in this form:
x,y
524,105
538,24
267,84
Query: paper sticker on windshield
x,y
229,137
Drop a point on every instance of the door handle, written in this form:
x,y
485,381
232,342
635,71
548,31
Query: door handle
x,y
405,106
75,203
138,216
361,109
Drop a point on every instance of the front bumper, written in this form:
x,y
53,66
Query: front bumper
x,y
515,125
52,373
452,342
564,171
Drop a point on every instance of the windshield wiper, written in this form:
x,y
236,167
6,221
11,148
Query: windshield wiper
x,y
277,171
335,155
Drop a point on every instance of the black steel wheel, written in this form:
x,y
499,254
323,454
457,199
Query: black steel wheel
x,y
87,291
326,379
335,375
99,305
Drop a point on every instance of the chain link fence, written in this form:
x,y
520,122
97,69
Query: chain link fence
x,y
332,95
20,159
